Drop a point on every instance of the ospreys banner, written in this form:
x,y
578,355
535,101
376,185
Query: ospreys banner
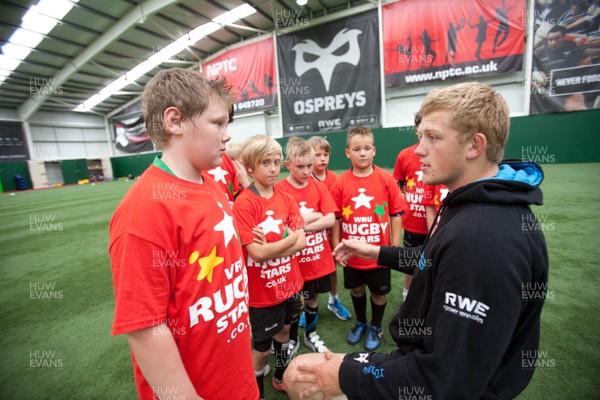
x,y
329,76
130,131
566,66
250,69
429,41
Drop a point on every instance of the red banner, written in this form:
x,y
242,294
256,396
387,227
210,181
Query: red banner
x,y
250,70
430,40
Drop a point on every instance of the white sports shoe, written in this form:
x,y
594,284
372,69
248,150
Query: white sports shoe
x,y
314,342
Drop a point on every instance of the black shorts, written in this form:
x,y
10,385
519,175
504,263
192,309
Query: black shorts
x,y
266,322
413,239
379,280
313,287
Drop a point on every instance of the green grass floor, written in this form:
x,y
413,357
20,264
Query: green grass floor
x,y
57,301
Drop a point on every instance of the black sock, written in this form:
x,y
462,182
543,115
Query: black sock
x,y
294,330
378,311
281,359
360,307
260,382
311,319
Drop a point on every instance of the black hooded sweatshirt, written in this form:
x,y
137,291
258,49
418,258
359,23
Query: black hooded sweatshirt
x,y
470,326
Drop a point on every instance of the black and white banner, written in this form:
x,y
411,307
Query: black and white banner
x,y
13,146
329,76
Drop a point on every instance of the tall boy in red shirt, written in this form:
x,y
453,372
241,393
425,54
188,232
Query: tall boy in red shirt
x,y
178,272
318,210
320,173
407,172
271,233
370,209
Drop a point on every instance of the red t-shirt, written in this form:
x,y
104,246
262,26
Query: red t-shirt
x,y
330,178
179,264
316,259
435,195
408,170
278,279
366,205
226,176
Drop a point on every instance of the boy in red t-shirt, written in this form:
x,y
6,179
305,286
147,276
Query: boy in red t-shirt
x,y
318,210
320,173
227,177
271,233
371,209
178,271
407,171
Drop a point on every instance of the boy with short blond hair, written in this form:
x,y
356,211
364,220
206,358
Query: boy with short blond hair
x,y
318,210
320,173
370,209
171,258
271,233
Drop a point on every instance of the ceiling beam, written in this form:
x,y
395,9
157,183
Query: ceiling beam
x,y
135,16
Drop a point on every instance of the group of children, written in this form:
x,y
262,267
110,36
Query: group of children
x,y
287,230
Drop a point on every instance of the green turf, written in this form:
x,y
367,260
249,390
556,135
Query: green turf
x,y
59,346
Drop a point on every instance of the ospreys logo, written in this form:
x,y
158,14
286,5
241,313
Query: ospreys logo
x,y
343,48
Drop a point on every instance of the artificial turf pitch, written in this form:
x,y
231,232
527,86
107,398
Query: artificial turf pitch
x,y
57,299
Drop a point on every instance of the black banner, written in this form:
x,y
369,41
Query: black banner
x,y
131,135
130,131
330,77
13,146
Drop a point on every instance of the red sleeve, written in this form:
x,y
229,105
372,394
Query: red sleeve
x,y
397,202
245,215
326,203
142,289
336,194
400,168
295,220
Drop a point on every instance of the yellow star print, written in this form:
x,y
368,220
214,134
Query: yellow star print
x,y
410,183
347,211
207,264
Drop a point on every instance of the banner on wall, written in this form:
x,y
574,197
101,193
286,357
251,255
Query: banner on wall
x,y
131,135
329,76
13,146
250,69
130,131
427,42
566,60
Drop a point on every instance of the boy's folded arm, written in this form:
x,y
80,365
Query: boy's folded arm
x,y
324,222
268,251
311,217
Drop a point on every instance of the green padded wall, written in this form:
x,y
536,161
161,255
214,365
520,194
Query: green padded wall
x,y
7,172
134,164
74,171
